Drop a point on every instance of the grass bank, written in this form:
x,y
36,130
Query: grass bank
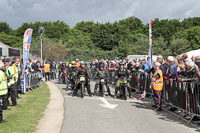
x,y
24,119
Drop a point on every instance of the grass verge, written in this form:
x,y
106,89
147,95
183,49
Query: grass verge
x,y
24,119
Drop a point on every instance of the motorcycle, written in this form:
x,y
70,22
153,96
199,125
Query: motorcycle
x,y
123,88
71,80
82,85
101,87
63,77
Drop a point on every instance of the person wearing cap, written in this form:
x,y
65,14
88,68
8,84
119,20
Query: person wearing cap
x,y
3,91
82,71
11,73
157,86
17,69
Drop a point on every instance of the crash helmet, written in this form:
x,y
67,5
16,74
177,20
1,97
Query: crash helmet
x,y
73,64
121,63
101,65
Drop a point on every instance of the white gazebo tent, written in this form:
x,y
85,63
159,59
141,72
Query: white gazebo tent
x,y
193,53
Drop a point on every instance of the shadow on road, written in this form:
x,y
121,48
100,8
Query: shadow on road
x,y
163,115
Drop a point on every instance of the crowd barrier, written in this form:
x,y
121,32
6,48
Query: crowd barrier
x,y
33,80
184,96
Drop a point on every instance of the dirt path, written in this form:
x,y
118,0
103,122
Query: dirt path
x,y
54,113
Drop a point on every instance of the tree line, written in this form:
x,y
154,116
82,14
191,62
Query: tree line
x,y
90,40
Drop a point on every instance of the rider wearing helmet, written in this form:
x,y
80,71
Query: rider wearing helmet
x,y
82,71
102,73
71,73
120,74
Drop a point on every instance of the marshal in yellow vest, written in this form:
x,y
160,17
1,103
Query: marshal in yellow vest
x,y
3,83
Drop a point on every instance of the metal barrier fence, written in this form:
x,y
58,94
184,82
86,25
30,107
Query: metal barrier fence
x,y
185,96
33,80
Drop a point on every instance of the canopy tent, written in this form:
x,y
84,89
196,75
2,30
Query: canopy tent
x,y
6,50
193,53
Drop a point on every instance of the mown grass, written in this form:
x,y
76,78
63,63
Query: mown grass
x,y
24,119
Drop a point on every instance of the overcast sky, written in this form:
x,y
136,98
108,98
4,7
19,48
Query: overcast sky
x,y
16,12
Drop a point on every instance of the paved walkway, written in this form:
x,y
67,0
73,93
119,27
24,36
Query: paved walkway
x,y
53,115
97,115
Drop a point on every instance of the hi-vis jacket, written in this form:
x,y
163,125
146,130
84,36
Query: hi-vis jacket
x,y
46,68
3,83
158,84
12,73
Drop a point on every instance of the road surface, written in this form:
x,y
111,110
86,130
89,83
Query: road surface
x,y
99,115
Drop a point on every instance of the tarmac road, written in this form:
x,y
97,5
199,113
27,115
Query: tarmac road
x,y
108,115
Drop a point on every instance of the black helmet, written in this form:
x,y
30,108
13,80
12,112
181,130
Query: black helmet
x,y
101,65
83,63
121,63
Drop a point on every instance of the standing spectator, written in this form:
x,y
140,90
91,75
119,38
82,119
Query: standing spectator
x,y
135,60
193,58
55,69
180,67
184,57
29,67
17,64
165,65
47,71
191,71
197,61
3,91
12,84
33,65
162,68
172,69
112,69
144,69
157,85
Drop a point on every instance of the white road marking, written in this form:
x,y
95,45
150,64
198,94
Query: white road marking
x,y
97,98
107,104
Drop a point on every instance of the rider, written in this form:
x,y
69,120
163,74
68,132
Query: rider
x,y
59,70
82,71
120,74
62,69
72,69
102,73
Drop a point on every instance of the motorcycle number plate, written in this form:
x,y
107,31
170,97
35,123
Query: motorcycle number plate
x,y
82,78
102,80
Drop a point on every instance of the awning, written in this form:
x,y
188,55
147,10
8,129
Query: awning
x,y
6,50
13,52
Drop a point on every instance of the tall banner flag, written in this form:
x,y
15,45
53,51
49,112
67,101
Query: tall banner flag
x,y
141,96
26,48
150,45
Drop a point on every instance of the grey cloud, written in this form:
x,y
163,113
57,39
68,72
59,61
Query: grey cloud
x,y
16,12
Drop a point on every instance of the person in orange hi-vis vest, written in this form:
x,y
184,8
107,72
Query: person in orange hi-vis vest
x,y
47,71
77,63
157,86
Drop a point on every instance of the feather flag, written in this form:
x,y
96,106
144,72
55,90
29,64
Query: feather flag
x,y
26,48
150,45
